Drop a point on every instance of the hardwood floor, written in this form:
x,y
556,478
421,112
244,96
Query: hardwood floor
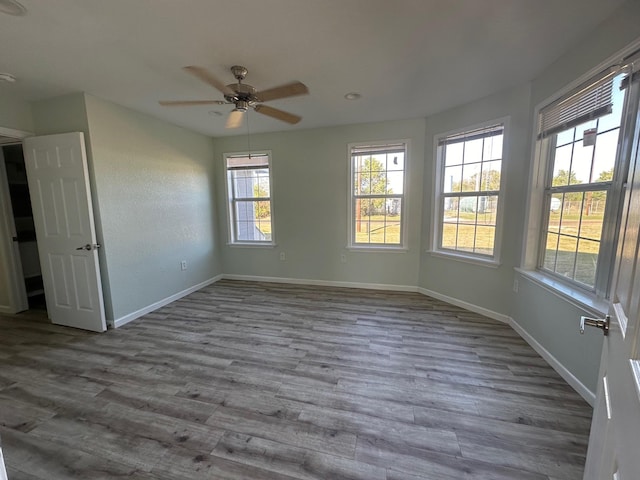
x,y
268,381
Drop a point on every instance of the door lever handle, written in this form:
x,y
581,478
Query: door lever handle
x,y
596,322
88,247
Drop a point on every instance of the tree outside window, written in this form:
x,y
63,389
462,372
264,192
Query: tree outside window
x,y
378,176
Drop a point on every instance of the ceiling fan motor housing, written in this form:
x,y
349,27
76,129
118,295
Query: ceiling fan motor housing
x,y
244,93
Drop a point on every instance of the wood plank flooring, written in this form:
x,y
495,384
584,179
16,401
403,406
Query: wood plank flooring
x,y
259,381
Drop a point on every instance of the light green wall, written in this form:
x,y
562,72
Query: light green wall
x,y
487,287
153,199
553,322
63,114
310,197
612,35
550,320
154,193
14,114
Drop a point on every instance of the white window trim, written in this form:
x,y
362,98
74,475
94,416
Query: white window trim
x,y
252,245
436,211
461,257
379,247
532,237
230,228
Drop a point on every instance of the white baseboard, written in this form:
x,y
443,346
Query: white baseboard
x,y
466,305
165,301
322,283
570,378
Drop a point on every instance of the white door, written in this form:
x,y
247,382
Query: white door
x,y
614,444
62,211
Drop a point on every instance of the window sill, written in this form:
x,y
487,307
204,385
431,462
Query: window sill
x,y
465,258
576,297
251,245
377,249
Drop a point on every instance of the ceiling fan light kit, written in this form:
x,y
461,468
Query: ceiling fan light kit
x,y
243,96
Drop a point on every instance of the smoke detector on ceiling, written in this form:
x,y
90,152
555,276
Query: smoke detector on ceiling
x,y
12,7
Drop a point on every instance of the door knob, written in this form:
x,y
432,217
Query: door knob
x,y
88,247
602,323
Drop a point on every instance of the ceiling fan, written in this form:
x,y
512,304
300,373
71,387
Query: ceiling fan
x,y
243,96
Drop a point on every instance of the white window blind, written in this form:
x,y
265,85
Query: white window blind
x,y
470,135
589,101
249,161
362,150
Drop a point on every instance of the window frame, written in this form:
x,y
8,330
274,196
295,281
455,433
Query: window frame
x,y
606,251
435,247
378,247
611,217
591,301
231,201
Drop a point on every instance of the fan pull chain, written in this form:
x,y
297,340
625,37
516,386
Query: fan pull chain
x,y
248,135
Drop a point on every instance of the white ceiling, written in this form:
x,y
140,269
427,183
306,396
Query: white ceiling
x,y
408,58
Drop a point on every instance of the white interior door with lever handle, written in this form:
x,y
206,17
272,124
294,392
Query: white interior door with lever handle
x,y
63,215
614,444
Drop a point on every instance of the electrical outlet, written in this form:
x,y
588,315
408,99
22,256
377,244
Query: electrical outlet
x,y
283,257
343,258
183,265
515,285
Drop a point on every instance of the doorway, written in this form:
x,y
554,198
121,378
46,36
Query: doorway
x,y
25,235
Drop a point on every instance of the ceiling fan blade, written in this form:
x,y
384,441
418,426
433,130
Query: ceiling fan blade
x,y
277,113
186,103
235,119
208,77
283,91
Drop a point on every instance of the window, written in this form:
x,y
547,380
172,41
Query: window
x,y
377,194
579,137
249,193
469,174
